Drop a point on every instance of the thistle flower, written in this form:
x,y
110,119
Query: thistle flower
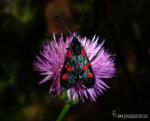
x,y
49,62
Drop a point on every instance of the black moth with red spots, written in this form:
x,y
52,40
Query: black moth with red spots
x,y
76,67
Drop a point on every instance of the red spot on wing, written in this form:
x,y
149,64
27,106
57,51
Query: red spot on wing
x,y
84,67
90,75
83,52
69,54
69,69
64,76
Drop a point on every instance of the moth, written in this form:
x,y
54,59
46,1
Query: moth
x,y
76,67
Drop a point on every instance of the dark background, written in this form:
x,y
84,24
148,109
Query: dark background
x,y
24,24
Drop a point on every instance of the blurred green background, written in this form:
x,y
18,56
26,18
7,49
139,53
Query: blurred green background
x,y
24,24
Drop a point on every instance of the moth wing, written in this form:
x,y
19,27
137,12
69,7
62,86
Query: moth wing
x,y
87,76
67,77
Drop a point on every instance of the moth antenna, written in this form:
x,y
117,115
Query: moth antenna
x,y
64,24
81,19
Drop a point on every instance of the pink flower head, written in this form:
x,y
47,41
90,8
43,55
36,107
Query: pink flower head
x,y
49,62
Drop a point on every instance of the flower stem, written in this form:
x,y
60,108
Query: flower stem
x,y
64,112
